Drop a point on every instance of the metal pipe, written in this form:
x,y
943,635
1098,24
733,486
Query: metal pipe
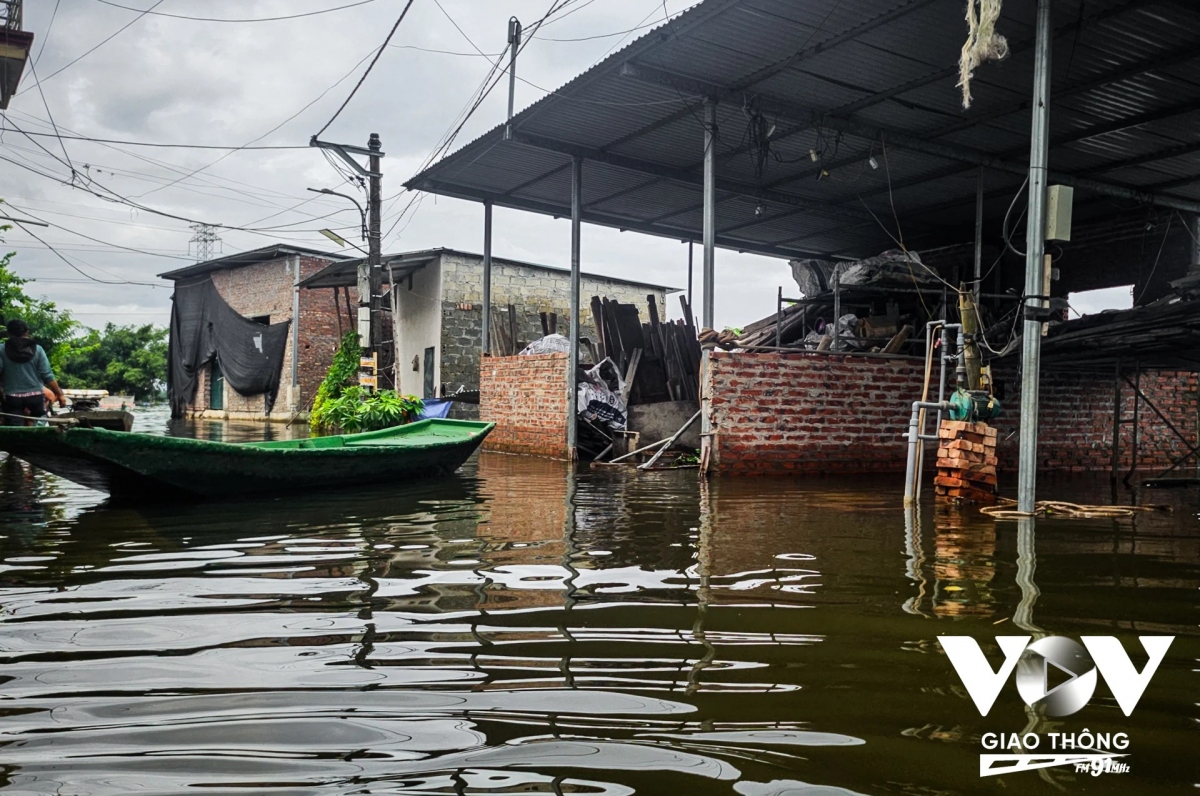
x,y
1035,245
689,293
779,318
710,210
837,306
915,432
514,46
573,349
295,402
487,276
978,236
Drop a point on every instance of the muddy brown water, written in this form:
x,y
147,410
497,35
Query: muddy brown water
x,y
522,629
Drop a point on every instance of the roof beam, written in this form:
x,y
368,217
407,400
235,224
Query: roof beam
x,y
611,220
1022,46
912,143
685,176
1151,157
1124,72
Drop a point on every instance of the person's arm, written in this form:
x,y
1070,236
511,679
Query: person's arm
x,y
54,388
47,375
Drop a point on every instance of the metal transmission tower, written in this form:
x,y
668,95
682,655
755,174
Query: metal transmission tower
x,y
207,242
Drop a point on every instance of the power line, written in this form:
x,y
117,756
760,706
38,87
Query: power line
x,y
46,35
62,69
370,66
273,129
253,19
83,273
155,144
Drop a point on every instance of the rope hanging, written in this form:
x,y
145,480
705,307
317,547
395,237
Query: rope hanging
x,y
983,43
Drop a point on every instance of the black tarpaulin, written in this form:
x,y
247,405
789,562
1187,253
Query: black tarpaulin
x,y
204,328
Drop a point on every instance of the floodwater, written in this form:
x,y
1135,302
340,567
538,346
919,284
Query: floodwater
x,y
519,629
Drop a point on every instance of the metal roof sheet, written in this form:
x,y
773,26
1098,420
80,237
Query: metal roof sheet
x,y
852,79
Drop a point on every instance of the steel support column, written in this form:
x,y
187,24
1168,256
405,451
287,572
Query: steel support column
x,y
487,276
1035,242
573,350
294,392
978,236
710,210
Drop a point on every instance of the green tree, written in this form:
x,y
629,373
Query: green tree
x,y
52,328
125,360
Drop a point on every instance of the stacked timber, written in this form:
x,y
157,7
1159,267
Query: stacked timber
x,y
660,359
966,463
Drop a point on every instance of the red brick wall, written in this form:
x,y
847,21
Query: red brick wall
x,y
266,289
811,413
1075,422
319,330
526,397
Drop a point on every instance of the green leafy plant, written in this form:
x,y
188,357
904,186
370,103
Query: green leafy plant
x,y
356,409
342,373
342,405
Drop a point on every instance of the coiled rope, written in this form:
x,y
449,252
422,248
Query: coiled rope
x,y
983,43
1064,510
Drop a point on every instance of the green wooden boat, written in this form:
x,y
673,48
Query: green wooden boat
x,y
144,467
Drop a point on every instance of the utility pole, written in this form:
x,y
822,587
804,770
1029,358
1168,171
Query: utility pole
x,y
514,46
370,273
374,254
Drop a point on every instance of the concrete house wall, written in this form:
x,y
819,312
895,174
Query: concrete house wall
x,y
420,327
532,289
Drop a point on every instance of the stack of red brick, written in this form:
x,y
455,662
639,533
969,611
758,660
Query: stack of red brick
x,y
966,462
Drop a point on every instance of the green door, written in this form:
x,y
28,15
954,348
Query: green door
x,y
216,387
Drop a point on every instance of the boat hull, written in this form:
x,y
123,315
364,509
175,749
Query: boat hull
x,y
141,467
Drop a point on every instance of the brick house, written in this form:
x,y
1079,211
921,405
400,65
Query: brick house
x,y
262,285
440,319
439,323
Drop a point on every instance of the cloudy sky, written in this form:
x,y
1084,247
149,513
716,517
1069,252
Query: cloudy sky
x,y
109,72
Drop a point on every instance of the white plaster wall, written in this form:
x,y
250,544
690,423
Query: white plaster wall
x,y
420,327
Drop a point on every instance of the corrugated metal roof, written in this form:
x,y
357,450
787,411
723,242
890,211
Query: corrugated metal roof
x,y
345,274
252,257
852,80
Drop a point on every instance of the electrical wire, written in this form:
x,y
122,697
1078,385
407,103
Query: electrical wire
x,y
1157,257
46,35
27,212
370,66
251,19
273,129
79,270
103,42
150,143
1004,228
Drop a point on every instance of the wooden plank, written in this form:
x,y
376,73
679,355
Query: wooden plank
x,y
631,374
598,319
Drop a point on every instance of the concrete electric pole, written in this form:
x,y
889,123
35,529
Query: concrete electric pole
x,y
370,273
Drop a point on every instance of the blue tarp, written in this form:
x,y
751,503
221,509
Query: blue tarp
x,y
434,408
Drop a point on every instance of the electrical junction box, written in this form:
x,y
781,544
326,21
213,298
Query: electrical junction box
x,y
1059,199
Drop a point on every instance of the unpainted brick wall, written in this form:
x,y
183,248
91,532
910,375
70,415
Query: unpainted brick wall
x,y
266,289
811,413
1075,425
531,290
526,397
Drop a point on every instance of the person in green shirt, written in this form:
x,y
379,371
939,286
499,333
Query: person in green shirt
x,y
24,370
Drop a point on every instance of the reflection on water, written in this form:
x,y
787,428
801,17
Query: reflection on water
x,y
519,629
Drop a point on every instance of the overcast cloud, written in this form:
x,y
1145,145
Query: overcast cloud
x,y
173,80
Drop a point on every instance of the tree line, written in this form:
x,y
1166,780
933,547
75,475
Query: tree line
x,y
125,360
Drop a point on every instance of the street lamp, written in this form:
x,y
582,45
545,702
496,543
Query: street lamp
x,y
362,214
